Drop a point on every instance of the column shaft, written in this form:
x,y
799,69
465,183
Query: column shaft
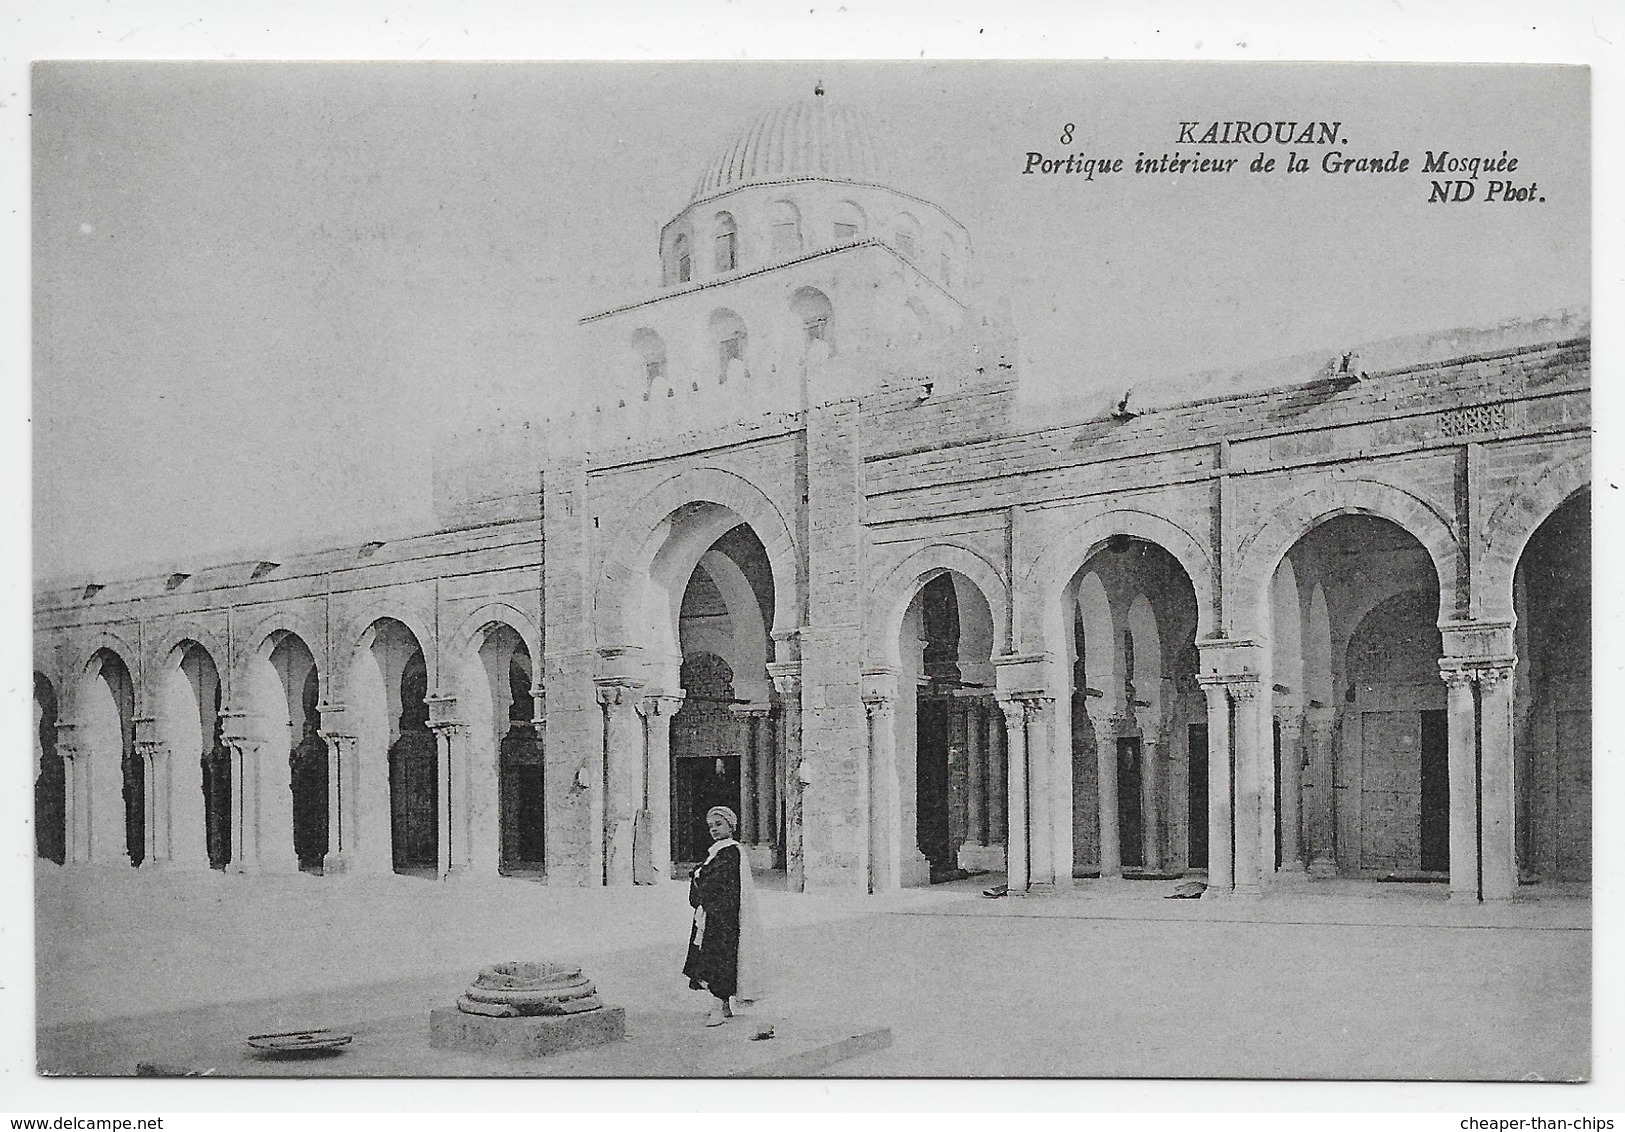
x,y
623,781
788,685
762,746
1497,792
976,770
745,743
1253,746
886,818
1111,842
1015,841
1220,834
1291,723
1462,723
998,821
1151,803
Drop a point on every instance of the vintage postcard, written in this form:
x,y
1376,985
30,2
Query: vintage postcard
x,y
975,569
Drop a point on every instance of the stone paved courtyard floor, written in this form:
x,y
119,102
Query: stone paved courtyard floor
x,y
1338,981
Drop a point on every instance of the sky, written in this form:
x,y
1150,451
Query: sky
x,y
262,291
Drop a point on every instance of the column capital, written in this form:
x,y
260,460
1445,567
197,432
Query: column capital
x,y
1244,690
1237,658
237,730
617,690
879,684
1456,671
752,711
786,676
879,707
660,703
445,727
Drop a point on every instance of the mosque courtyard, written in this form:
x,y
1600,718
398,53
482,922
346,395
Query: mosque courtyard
x,y
1329,980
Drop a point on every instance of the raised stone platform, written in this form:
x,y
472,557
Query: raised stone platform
x,y
535,1036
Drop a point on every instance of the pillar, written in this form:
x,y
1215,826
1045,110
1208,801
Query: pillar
x,y
958,780
886,813
1220,832
156,803
1056,759
1105,723
998,822
1254,745
1319,817
1462,722
657,710
745,745
75,796
482,810
1151,802
245,834
451,791
975,774
341,799
624,760
787,682
1497,794
1015,841
762,752
1291,724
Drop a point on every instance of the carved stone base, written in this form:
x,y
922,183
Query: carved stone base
x,y
450,1028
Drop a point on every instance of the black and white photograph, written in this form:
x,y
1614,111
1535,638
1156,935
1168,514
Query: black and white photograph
x,y
885,569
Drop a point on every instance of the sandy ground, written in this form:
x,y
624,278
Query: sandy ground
x,y
1330,981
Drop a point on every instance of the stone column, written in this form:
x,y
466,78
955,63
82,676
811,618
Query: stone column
x,y
886,816
1220,829
998,822
1291,724
976,774
75,796
1462,723
1151,802
451,788
1319,819
1253,745
657,710
958,780
745,745
1106,723
245,833
1056,759
1015,842
623,776
766,795
1497,788
787,682
155,810
342,797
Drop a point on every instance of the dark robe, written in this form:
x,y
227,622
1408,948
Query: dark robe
x,y
713,963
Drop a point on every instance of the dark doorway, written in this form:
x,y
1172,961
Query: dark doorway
x,y
705,754
524,832
1130,815
1435,814
308,767
1196,806
414,793
931,785
698,783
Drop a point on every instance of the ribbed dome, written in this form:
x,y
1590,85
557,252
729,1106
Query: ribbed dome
x,y
811,138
